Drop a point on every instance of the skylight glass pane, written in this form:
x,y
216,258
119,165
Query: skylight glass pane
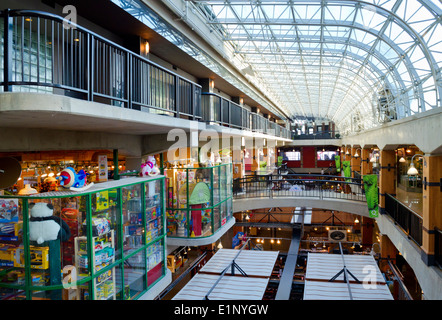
x,y
329,58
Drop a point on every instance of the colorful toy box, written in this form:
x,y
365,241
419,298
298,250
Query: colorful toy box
x,y
39,257
102,201
99,226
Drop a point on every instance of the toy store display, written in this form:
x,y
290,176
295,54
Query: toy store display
x,y
197,200
103,248
154,215
149,168
73,180
103,243
132,218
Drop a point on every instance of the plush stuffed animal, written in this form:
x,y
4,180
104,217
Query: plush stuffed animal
x,y
74,181
149,168
44,226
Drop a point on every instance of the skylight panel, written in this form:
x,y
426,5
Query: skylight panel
x,y
335,54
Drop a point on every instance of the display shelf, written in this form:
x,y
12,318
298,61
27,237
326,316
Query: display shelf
x,y
112,225
199,201
103,255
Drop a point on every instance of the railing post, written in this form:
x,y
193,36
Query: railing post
x,y
7,64
177,97
192,101
129,73
90,66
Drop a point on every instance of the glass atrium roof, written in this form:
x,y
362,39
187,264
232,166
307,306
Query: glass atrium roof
x,y
357,63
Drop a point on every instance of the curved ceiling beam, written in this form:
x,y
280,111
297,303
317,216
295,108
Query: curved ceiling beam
x,y
390,18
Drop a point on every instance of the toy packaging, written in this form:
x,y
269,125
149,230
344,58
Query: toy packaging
x,y
39,257
99,226
102,200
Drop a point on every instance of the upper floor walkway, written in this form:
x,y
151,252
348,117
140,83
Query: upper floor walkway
x,y
291,190
402,224
40,55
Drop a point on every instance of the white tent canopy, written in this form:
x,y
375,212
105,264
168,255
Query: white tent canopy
x,y
300,215
321,268
258,266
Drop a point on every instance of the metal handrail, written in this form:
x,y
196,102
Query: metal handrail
x,y
406,221
283,131
85,66
438,247
399,278
281,185
181,276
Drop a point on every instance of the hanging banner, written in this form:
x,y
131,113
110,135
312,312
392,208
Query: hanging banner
x,y
280,161
371,193
347,170
338,163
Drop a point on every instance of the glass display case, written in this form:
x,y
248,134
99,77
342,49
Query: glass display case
x,y
105,243
198,200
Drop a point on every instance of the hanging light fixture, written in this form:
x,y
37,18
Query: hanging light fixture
x,y
402,159
412,171
356,153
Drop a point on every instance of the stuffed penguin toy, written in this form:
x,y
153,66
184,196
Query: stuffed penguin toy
x,y
44,226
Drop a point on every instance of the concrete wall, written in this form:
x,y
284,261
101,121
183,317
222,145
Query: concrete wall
x,y
423,130
430,278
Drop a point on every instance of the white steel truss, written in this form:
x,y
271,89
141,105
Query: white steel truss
x,y
357,63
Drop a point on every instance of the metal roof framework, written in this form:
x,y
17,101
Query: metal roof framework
x,y
231,274
344,277
335,59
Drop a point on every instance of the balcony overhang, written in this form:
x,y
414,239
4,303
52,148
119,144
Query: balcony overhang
x,y
194,242
350,206
57,112
50,111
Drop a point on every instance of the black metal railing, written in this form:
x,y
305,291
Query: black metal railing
x,y
317,135
395,279
438,247
299,185
407,219
224,112
39,54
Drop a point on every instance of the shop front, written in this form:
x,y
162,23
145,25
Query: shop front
x,y
103,243
199,200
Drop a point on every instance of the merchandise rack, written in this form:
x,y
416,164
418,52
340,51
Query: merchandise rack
x,y
60,284
216,209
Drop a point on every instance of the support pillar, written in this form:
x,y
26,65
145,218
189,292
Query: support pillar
x,y
388,251
432,205
387,176
355,162
366,166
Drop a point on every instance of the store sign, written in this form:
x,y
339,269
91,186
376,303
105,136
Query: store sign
x,y
102,168
371,193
